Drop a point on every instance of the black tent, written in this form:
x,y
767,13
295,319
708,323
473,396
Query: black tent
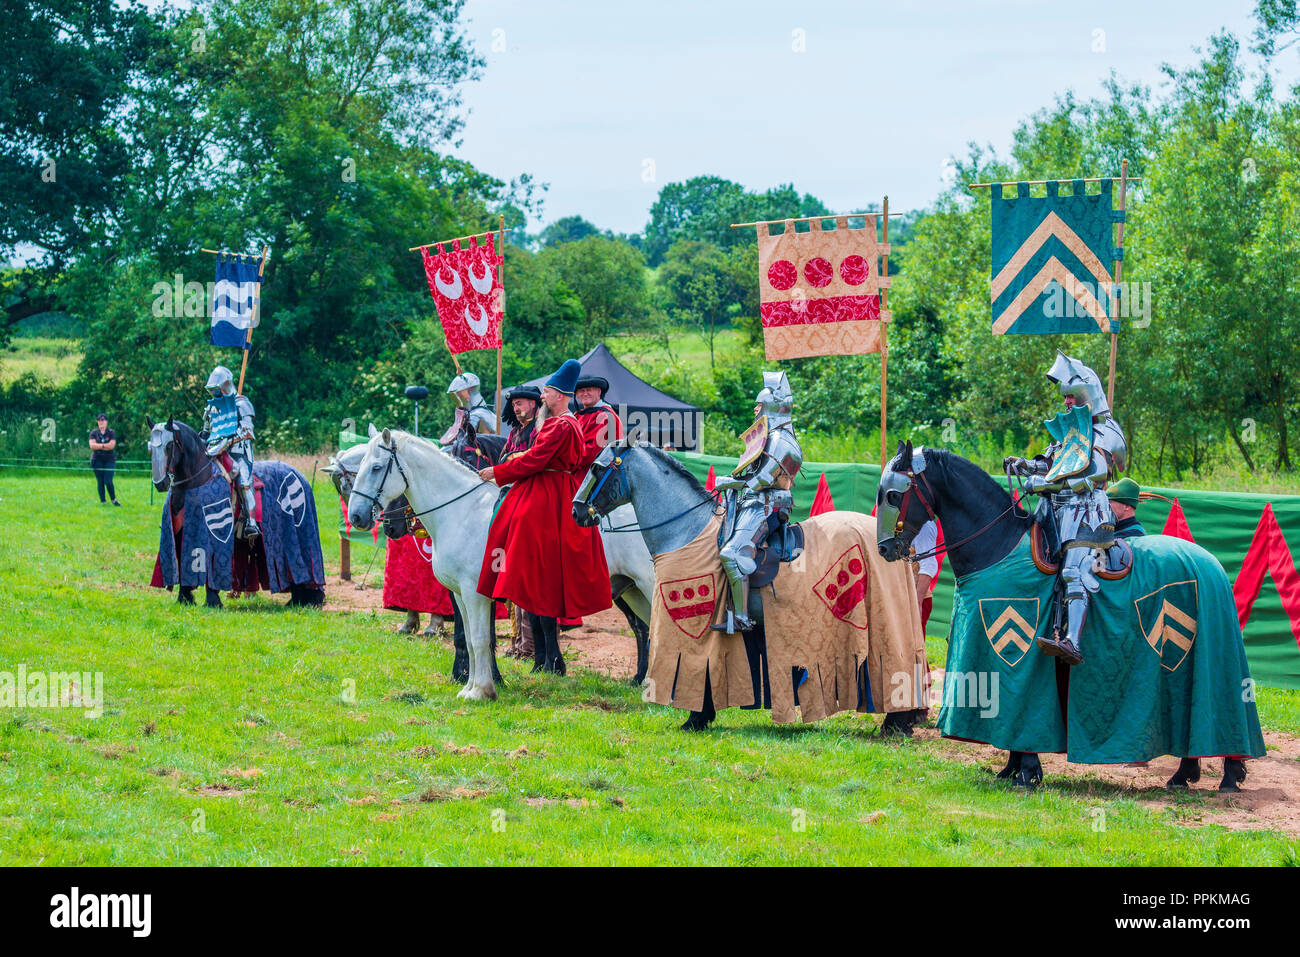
x,y
662,419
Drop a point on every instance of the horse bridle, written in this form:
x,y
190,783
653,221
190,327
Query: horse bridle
x,y
617,466
377,507
912,486
174,482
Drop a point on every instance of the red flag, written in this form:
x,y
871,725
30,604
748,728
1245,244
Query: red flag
x,y
820,289
1268,553
822,501
467,291
1176,523
710,481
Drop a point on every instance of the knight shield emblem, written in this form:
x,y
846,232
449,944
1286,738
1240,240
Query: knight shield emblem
x,y
843,589
292,499
1010,625
449,436
219,516
755,439
1073,430
223,417
1167,618
689,603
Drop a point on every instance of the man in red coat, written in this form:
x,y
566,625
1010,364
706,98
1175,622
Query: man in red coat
x,y
537,556
600,423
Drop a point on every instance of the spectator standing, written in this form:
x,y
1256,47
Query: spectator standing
x,y
103,457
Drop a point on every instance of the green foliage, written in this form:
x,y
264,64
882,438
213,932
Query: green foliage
x,y
567,230
703,208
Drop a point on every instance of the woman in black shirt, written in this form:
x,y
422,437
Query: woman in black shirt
x,y
103,442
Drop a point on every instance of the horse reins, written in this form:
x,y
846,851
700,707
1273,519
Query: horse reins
x,y
617,466
406,486
929,510
171,466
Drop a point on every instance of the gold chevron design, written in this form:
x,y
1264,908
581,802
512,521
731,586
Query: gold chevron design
x,y
1053,270
1163,629
1010,628
1010,635
1052,225
1172,624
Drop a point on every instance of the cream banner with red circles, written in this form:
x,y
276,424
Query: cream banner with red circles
x,y
820,289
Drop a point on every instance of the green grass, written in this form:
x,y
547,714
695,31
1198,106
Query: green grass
x,y
689,347
406,773
53,359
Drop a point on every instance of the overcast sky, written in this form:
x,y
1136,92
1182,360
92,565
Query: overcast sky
x,y
608,100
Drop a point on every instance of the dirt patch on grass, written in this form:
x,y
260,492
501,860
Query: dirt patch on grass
x,y
433,795
222,790
1269,798
602,643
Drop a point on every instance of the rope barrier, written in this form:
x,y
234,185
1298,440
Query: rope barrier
x,y
68,468
32,458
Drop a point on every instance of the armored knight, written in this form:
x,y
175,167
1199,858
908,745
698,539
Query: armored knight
x,y
1071,476
465,387
228,427
760,489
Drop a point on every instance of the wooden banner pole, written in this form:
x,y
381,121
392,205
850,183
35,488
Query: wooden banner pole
x,y
501,273
884,344
257,309
1119,271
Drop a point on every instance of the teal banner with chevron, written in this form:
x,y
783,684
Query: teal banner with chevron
x,y
1052,259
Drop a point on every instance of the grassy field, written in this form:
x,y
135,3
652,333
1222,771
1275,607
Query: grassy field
x,y
257,735
53,359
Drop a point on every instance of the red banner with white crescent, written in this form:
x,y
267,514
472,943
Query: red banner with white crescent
x,y
820,289
466,285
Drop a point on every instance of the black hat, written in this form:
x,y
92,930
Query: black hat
x,y
518,392
102,415
588,381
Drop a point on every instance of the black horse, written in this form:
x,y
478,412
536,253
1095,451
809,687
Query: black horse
x,y
180,463
982,524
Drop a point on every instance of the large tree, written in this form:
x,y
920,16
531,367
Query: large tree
x,y
71,68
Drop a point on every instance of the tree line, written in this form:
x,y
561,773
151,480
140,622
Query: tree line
x,y
130,138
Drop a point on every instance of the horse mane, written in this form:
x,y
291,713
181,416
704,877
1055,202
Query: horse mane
x,y
678,468
962,471
433,446
189,438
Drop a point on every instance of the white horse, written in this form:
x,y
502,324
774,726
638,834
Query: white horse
x,y
455,506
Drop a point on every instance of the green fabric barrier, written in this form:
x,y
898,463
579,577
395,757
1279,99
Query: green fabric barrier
x,y
359,535
1224,523
1129,700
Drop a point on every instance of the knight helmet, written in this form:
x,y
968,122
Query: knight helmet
x,y
1077,380
466,380
776,399
217,382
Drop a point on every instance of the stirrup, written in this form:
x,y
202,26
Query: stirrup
x,y
734,623
1063,648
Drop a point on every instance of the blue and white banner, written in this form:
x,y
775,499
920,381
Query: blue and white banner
x,y
233,299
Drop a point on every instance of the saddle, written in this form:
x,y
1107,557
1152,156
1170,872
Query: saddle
x,y
783,543
1045,547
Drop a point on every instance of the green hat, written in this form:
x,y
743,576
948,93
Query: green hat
x,y
1125,491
